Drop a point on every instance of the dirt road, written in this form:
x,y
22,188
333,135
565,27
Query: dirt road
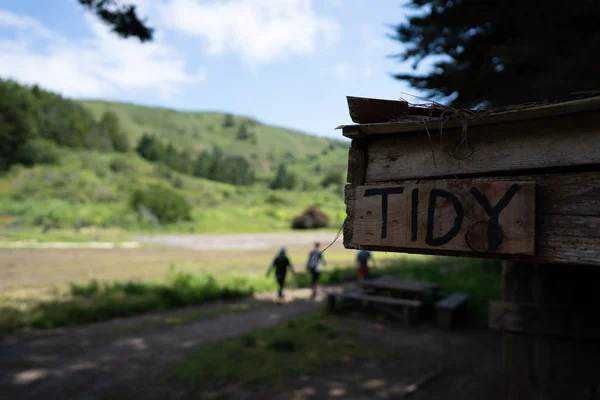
x,y
238,241
103,361
91,363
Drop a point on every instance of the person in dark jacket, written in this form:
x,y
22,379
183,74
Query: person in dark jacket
x,y
281,264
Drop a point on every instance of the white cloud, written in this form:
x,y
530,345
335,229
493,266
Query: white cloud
x,y
260,31
344,71
100,65
371,39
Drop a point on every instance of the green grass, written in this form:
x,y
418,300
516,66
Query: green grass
x,y
82,192
480,278
273,354
94,301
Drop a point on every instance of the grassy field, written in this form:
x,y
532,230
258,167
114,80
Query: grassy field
x,y
82,192
48,288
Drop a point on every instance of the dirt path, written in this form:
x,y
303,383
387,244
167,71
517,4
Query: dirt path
x,y
237,241
91,363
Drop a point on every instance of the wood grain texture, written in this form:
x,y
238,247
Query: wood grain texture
x,y
544,362
535,365
567,208
366,111
357,159
347,228
455,220
565,141
553,392
549,321
533,113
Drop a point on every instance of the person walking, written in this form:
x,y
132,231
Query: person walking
x,y
281,263
362,264
315,259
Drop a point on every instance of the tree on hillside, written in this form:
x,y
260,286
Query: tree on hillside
x,y
238,171
499,53
244,134
109,123
228,121
17,108
203,164
332,178
150,148
122,18
171,157
283,179
186,165
215,172
120,142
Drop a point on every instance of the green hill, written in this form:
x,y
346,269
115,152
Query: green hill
x,y
73,164
310,155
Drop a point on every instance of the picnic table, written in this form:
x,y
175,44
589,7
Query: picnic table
x,y
390,294
405,288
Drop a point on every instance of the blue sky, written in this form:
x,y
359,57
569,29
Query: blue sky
x,y
285,62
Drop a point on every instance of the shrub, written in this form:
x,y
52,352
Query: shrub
x,y
166,204
120,165
38,151
55,214
177,182
332,178
274,199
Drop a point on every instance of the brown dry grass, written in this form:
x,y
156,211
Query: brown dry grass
x,y
39,273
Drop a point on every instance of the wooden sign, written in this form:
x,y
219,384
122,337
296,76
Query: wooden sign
x,y
451,215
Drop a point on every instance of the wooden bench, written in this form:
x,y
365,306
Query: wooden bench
x,y
410,308
452,310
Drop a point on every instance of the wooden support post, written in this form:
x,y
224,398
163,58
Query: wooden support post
x,y
548,353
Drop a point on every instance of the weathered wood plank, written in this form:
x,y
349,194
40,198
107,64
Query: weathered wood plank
x,y
535,362
366,111
567,207
553,246
347,228
453,301
556,321
562,194
357,162
541,361
495,149
464,216
546,111
551,392
383,299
